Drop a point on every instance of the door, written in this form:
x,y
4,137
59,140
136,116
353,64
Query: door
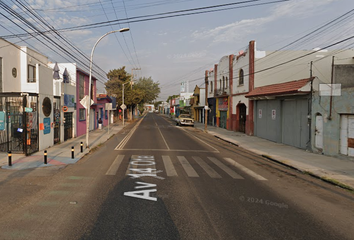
x,y
319,132
242,118
68,125
223,118
56,122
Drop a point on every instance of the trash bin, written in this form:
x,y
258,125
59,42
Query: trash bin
x,y
100,126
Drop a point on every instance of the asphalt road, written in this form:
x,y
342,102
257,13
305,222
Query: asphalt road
x,y
155,180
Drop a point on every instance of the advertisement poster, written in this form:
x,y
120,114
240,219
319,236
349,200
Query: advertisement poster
x,y
2,121
46,125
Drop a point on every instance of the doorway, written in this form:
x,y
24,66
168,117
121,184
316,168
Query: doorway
x,y
223,118
242,118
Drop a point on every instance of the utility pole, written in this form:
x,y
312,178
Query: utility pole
x,y
206,108
132,81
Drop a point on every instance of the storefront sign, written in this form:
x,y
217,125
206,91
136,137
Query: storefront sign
x,y
223,104
46,125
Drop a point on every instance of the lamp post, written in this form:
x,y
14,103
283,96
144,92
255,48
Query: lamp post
x,y
88,104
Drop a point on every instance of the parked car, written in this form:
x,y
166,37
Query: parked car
x,y
185,119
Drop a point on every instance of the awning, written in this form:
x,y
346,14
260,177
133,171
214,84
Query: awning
x,y
281,89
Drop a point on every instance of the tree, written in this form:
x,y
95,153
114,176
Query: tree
x,y
150,89
116,79
171,97
145,90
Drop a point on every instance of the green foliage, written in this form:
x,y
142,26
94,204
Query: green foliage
x,y
114,85
171,97
157,103
143,91
150,89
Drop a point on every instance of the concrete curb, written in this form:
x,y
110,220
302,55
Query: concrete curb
x,y
308,169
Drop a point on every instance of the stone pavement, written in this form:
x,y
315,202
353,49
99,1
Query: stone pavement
x,y
60,154
331,169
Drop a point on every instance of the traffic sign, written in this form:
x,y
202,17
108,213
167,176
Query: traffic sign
x,y
84,101
123,106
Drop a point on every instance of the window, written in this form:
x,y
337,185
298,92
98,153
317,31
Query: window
x,y
223,83
240,77
31,74
226,82
81,86
106,114
219,84
82,114
211,86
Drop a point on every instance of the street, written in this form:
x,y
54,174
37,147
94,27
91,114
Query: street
x,y
156,180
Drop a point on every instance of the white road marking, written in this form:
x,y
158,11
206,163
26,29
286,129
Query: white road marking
x,y
168,150
187,167
115,165
162,136
225,168
170,170
128,136
211,172
246,170
215,150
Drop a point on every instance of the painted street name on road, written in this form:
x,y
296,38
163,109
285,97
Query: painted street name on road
x,y
143,168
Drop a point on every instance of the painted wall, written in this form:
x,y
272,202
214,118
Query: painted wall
x,y
343,104
31,57
81,125
300,68
10,59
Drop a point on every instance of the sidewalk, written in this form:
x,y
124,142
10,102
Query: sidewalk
x,y
330,169
60,154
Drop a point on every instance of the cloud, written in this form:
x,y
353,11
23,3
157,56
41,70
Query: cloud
x,y
231,32
188,57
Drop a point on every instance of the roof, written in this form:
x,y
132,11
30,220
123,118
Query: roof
x,y
286,88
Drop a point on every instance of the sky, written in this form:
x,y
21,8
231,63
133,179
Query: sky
x,y
169,49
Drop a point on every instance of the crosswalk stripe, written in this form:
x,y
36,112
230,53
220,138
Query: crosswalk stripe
x,y
225,168
170,170
211,172
187,167
246,170
115,165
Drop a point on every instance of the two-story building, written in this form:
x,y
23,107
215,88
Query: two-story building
x,y
26,99
198,104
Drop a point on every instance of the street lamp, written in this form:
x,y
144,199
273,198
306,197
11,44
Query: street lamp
x,y
88,104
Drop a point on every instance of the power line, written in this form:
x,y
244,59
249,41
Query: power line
x,y
160,16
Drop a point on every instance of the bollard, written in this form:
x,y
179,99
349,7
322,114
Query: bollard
x,y
45,156
82,146
9,156
72,152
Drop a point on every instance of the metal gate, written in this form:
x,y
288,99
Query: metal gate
x,y
223,118
56,108
68,125
19,126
